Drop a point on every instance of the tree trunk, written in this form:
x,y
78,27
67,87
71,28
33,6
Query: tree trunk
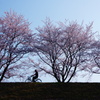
x,y
2,76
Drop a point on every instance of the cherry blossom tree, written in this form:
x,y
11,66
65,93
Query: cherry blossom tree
x,y
95,58
63,49
15,37
96,53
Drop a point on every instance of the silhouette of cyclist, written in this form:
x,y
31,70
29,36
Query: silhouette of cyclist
x,y
35,76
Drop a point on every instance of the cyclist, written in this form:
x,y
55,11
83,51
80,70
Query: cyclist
x,y
35,76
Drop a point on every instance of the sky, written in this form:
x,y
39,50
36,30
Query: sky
x,y
57,10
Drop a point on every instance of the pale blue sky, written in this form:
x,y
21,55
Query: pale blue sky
x,y
57,10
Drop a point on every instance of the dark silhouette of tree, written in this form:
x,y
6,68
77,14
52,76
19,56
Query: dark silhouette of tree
x,y
63,48
15,36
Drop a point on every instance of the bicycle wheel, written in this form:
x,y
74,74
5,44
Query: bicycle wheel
x,y
38,80
28,79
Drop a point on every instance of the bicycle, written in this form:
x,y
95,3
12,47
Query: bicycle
x,y
29,79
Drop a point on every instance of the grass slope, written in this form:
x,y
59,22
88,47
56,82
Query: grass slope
x,y
49,91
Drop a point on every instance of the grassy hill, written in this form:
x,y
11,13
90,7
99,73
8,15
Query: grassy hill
x,y
49,91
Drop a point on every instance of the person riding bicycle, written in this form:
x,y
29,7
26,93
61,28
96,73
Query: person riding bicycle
x,y
35,76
